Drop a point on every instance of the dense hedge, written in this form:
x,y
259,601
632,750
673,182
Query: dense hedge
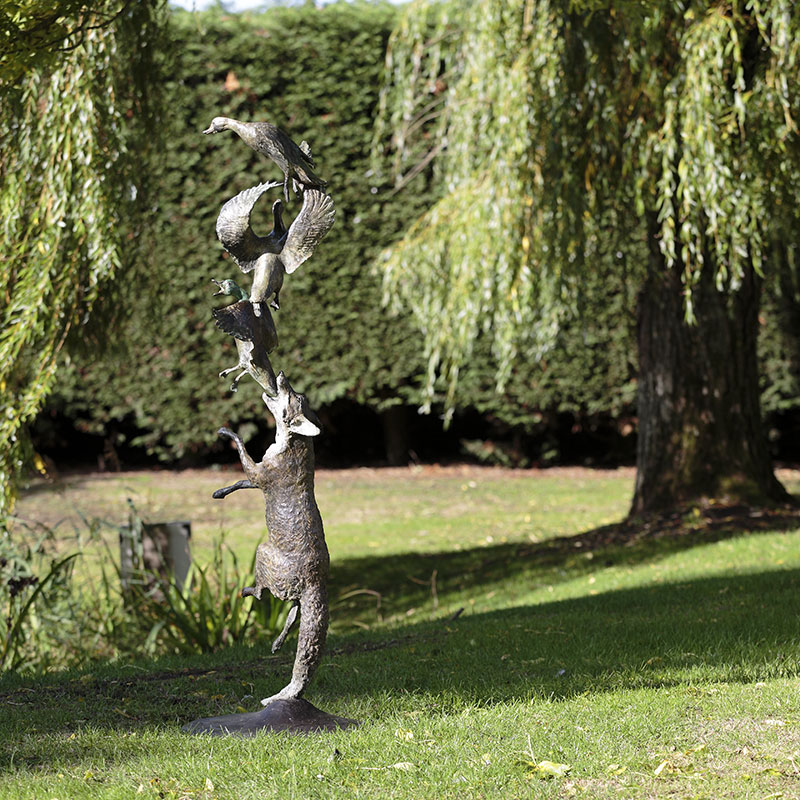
x,y
317,72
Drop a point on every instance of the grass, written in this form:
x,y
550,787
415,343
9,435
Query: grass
x,y
372,511
664,666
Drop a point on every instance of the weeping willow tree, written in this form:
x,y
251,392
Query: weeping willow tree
x,y
660,138
77,100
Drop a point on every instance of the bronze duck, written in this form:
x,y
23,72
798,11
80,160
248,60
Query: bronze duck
x,y
269,140
271,257
255,336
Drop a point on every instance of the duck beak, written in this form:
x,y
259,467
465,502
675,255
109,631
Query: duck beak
x,y
217,294
210,129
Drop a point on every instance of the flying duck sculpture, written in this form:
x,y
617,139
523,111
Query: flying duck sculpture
x,y
270,257
295,161
255,337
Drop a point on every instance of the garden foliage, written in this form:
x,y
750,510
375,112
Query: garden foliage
x,y
52,618
75,118
317,73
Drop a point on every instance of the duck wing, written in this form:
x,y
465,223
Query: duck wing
x,y
239,320
293,153
236,234
308,229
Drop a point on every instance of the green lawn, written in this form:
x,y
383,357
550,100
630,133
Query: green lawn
x,y
662,667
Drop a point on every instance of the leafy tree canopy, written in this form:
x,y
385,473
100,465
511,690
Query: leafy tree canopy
x,y
568,133
35,34
73,105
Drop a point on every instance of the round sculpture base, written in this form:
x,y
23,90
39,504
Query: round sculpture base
x,y
293,716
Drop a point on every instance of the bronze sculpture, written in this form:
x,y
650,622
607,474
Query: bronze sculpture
x,y
295,161
255,336
271,257
293,563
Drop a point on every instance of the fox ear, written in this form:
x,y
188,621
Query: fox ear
x,y
304,426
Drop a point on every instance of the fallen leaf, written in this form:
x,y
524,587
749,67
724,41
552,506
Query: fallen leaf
x,y
406,766
549,769
615,769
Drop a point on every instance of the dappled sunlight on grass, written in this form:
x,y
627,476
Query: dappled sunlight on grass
x,y
790,478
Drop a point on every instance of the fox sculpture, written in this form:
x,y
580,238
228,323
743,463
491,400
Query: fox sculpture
x,y
293,563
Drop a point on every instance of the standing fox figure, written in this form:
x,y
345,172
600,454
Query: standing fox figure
x,y
293,563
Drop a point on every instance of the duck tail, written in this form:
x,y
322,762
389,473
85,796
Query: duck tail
x,y
309,179
305,151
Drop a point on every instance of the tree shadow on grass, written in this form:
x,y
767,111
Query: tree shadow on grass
x,y
684,636
408,579
736,628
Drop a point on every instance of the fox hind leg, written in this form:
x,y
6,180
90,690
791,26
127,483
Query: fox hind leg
x,y
290,620
310,642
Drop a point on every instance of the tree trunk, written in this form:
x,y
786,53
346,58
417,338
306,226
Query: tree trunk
x,y
700,432
395,435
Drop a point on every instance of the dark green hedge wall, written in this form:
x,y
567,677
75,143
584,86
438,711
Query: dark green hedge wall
x,y
317,72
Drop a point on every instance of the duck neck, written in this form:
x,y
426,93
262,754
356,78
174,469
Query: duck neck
x,y
234,125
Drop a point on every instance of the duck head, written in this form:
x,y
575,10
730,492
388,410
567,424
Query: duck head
x,y
229,287
217,125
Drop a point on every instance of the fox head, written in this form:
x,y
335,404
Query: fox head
x,y
291,410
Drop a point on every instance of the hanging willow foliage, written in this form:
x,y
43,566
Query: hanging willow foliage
x,y
563,132
72,182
